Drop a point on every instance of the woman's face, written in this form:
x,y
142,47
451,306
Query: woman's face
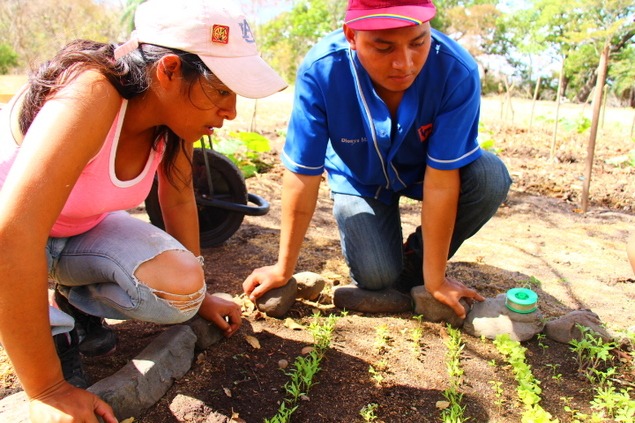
x,y
204,105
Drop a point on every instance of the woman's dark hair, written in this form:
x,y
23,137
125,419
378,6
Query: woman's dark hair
x,y
130,75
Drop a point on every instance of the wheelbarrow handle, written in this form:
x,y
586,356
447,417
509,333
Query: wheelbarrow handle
x,y
260,209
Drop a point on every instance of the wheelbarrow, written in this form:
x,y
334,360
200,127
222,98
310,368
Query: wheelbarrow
x,y
221,196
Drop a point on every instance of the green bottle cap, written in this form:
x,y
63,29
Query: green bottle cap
x,y
521,300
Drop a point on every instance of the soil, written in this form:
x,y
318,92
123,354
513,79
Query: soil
x,y
540,237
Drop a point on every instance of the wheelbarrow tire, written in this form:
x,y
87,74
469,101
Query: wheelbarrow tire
x,y
216,225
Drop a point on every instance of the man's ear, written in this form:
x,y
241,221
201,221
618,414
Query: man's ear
x,y
168,68
350,36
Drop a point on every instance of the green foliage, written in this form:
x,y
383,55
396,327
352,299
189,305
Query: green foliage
x,y
36,30
528,389
579,125
286,39
454,412
531,283
368,412
625,160
243,149
592,352
301,376
486,138
127,17
497,386
8,59
382,338
573,31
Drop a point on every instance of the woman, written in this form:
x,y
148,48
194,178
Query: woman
x,y
79,145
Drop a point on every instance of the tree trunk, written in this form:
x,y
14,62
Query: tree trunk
x,y
597,104
533,103
552,151
585,91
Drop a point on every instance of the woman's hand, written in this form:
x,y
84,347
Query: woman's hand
x,y
223,313
65,403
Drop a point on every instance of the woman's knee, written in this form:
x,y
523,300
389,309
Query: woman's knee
x,y
174,275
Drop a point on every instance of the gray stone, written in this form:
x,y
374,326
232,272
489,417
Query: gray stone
x,y
216,417
433,310
491,318
137,386
207,333
350,297
564,329
143,381
276,302
15,408
192,410
310,285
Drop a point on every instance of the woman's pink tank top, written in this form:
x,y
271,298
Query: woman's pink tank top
x,y
98,191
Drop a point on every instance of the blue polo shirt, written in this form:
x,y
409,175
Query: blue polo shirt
x,y
339,123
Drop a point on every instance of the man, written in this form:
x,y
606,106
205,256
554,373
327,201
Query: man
x,y
388,107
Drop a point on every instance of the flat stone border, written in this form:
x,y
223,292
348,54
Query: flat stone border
x,y
144,380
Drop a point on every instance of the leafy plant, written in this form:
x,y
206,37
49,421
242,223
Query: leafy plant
x,y
592,356
382,338
301,377
454,412
497,386
528,389
617,405
415,337
368,412
541,342
592,351
625,160
377,376
8,58
532,282
243,149
486,138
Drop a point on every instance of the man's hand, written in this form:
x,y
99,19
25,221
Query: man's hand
x,y
65,403
262,280
450,293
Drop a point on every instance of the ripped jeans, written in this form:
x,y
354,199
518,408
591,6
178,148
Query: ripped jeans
x,y
96,272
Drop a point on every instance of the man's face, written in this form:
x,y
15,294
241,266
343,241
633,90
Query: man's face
x,y
392,57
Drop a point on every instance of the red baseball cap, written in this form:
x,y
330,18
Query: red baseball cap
x,y
387,14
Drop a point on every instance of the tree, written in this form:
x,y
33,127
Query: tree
x,y
288,37
8,58
127,17
610,24
36,29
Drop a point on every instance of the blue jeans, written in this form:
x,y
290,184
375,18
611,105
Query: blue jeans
x,y
95,271
371,233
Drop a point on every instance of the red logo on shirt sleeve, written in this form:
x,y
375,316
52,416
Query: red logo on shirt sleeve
x,y
424,132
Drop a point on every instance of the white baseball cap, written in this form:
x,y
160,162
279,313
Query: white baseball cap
x,y
217,32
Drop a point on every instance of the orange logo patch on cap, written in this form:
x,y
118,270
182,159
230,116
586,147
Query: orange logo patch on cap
x,y
220,34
